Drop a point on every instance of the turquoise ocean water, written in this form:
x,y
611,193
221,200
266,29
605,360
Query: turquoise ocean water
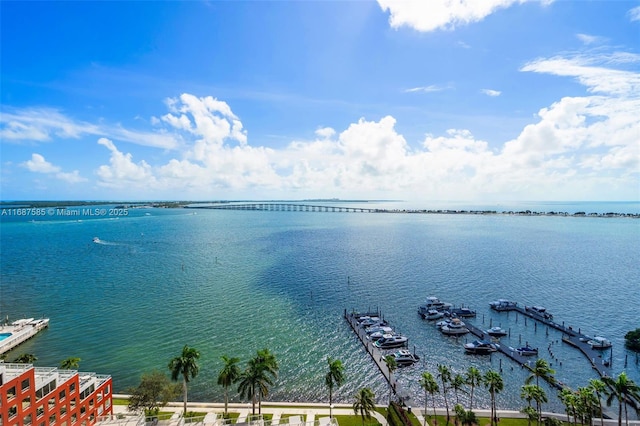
x,y
233,282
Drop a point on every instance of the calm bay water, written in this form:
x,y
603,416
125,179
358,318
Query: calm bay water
x,y
233,282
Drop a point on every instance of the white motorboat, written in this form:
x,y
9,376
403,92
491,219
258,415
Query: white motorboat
x,y
496,332
502,305
442,323
480,347
599,342
96,240
433,302
455,328
525,350
378,328
380,334
432,314
391,341
404,358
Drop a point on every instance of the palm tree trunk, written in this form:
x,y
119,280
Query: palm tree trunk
x,y
184,390
226,400
330,403
471,400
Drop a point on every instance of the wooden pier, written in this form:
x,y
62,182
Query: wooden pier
x,y
20,331
377,355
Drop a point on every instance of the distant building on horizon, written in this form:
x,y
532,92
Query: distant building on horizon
x,y
43,396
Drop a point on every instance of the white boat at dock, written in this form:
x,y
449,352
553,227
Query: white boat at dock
x,y
599,342
525,350
405,358
480,347
496,332
432,314
502,305
455,328
432,302
391,341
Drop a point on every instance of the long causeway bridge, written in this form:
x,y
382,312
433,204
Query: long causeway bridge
x,y
288,207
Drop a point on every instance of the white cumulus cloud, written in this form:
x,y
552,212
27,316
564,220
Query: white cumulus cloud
x,y
425,16
38,164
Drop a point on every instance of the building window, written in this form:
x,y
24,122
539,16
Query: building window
x,y
39,411
74,418
25,384
63,394
91,403
11,392
107,403
107,389
73,403
63,410
72,388
52,402
99,396
83,409
46,389
26,402
52,419
27,419
13,410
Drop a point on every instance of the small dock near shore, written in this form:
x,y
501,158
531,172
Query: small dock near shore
x,y
19,331
570,335
376,354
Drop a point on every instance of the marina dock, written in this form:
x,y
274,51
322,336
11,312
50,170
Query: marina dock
x,y
570,336
376,354
19,331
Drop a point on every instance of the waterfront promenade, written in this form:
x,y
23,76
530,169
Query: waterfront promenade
x,y
311,414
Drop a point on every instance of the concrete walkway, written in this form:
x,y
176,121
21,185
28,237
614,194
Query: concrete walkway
x,y
314,413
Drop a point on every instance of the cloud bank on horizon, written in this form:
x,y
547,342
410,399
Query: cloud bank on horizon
x,y
431,101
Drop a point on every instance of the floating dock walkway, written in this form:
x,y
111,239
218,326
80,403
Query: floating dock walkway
x,y
376,354
19,331
570,335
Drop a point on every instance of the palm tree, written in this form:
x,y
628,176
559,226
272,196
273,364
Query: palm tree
x,y
541,369
229,375
568,398
256,379
494,383
185,365
540,397
473,379
364,403
268,367
456,384
587,404
445,377
392,365
26,359
599,388
430,386
70,363
526,393
334,377
622,388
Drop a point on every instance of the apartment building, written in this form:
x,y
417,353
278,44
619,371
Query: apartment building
x,y
47,396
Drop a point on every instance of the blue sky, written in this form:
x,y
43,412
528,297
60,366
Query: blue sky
x,y
418,100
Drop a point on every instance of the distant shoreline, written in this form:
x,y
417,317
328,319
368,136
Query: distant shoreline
x,y
244,205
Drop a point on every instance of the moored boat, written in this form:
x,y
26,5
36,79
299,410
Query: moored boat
x,y
433,302
496,332
432,314
391,341
525,350
502,305
480,347
599,342
455,327
405,358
